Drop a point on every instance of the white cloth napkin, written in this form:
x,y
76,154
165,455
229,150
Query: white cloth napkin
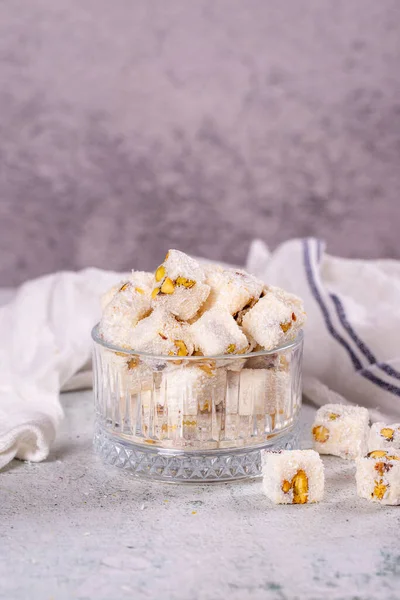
x,y
351,346
44,343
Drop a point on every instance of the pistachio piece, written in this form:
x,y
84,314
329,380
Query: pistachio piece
x,y
207,369
382,468
377,454
132,363
160,273
320,433
168,286
387,433
379,490
139,290
206,407
333,416
300,488
187,283
155,292
286,486
231,349
124,287
285,326
182,349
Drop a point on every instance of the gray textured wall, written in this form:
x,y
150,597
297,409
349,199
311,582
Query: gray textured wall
x,y
128,126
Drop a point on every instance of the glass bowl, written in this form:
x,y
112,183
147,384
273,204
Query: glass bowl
x,y
197,418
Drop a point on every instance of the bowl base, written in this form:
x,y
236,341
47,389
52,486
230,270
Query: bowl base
x,y
177,466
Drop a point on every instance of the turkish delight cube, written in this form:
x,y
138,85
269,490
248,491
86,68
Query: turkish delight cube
x,y
161,333
384,436
275,319
179,285
189,397
124,376
216,332
141,279
378,476
253,391
256,399
293,476
231,289
341,430
124,309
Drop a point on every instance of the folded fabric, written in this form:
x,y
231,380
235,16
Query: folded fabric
x,y
44,342
352,343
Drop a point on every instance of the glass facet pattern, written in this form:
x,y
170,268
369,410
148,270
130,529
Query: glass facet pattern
x,y
197,418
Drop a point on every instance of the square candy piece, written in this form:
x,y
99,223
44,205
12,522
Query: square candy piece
x,y
231,289
190,398
275,319
293,476
263,391
384,436
179,285
378,476
216,332
341,430
130,303
191,390
161,333
140,279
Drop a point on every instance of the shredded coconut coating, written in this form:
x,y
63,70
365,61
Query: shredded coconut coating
x,y
341,430
275,320
183,303
178,264
129,304
162,333
179,285
216,332
384,436
141,279
231,289
293,476
378,476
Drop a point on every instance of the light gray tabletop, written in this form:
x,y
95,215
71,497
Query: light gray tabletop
x,y
73,528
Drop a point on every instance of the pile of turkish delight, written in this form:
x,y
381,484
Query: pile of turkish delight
x,y
186,308
297,476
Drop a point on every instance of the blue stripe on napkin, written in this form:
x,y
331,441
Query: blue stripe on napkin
x,y
357,364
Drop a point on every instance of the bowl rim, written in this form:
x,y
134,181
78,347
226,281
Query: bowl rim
x,y
130,352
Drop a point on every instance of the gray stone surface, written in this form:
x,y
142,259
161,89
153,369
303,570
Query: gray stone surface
x,y
71,528
128,127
